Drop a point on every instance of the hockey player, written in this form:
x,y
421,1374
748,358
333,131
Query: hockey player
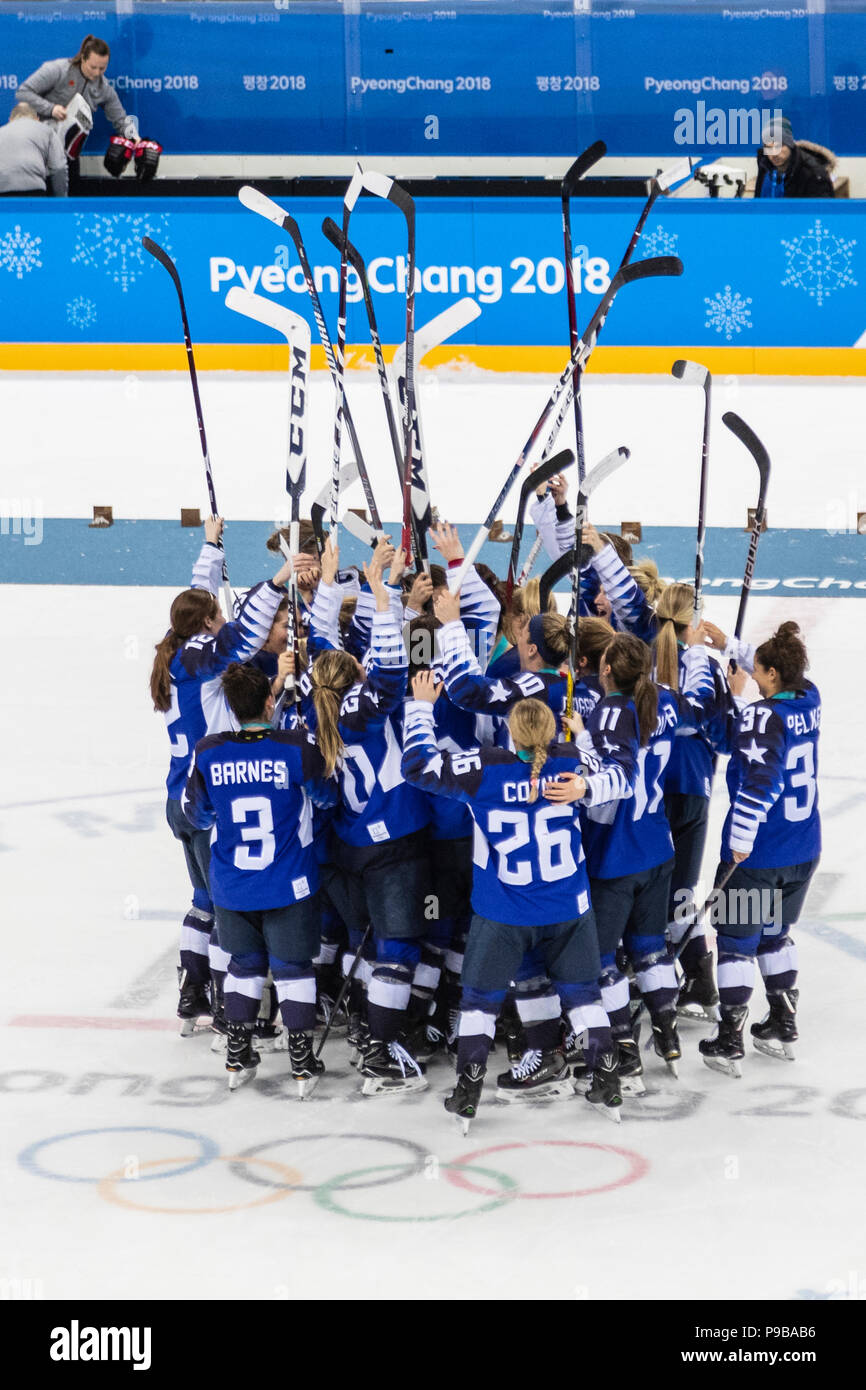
x,y
530,888
185,686
772,835
254,787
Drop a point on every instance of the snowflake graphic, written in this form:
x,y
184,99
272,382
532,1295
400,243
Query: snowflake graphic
x,y
818,262
112,242
728,312
659,243
81,313
19,252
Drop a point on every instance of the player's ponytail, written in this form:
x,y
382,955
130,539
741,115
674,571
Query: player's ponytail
x,y
674,610
532,727
786,652
646,575
189,613
333,673
90,44
595,635
629,662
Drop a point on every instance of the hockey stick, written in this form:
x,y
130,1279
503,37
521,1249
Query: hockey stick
x,y
529,562
354,524
383,187
296,332
266,207
350,197
694,374
165,260
344,989
659,265
581,166
662,183
751,441
561,566
429,336
542,474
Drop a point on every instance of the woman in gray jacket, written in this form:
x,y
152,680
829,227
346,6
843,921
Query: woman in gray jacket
x,y
52,86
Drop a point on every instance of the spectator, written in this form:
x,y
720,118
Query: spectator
x,y
789,168
54,84
32,159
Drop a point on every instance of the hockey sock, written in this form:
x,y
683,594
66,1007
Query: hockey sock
x,y
428,973
295,983
654,972
582,1005
736,971
614,996
777,961
390,987
540,1011
194,938
243,988
479,1009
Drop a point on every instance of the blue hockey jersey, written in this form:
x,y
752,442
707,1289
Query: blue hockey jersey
x,y
772,781
693,759
468,688
255,788
196,669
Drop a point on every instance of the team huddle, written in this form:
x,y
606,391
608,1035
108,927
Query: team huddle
x,y
431,836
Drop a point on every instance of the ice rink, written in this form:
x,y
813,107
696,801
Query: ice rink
x,y
128,1171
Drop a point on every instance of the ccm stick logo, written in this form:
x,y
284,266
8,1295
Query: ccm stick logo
x,y
77,1343
299,391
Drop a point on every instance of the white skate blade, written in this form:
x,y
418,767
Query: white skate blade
x,y
699,1013
395,1086
783,1052
219,1043
725,1066
187,1027
551,1090
278,1044
673,1068
610,1112
306,1086
632,1086
240,1078
463,1123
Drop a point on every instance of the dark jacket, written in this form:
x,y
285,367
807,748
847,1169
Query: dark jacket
x,y
807,173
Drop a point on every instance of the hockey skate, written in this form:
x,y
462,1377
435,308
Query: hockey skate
x,y
630,1068
604,1089
725,1051
306,1069
536,1076
666,1040
270,1037
779,1027
358,1038
463,1100
329,982
193,1003
241,1057
698,998
219,1027
387,1067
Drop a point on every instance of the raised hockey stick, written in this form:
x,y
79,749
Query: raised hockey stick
x,y
659,265
344,989
696,375
561,566
662,183
296,331
166,261
529,562
383,187
542,474
429,336
354,524
750,440
350,197
574,174
266,207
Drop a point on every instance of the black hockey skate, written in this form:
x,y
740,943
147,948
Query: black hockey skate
x,y
463,1100
241,1057
389,1067
219,1027
698,997
270,1037
604,1089
725,1051
193,1003
666,1039
630,1067
536,1076
779,1027
306,1069
358,1038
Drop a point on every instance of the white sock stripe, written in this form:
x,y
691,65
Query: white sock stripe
x,y
661,976
779,962
195,942
219,959
249,986
615,996
473,1022
587,1016
426,976
388,995
734,974
454,962
538,1010
301,991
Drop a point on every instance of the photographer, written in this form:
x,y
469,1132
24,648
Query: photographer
x,y
789,168
32,160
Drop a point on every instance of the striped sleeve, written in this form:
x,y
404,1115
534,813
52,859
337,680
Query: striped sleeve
x,y
207,571
479,611
325,618
633,611
759,750
445,774
543,514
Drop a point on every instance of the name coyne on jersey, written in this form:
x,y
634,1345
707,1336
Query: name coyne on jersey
x,y
259,770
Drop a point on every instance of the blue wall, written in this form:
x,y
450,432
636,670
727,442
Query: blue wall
x,y
499,78
756,274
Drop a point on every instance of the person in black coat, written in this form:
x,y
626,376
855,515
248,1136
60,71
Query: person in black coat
x,y
789,168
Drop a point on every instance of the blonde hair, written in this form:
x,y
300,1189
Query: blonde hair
x,y
532,726
646,574
674,611
332,675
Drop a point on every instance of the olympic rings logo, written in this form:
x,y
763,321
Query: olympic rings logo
x,y
616,1168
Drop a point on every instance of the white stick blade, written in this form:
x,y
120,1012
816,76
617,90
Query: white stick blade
x,y
356,184
452,320
377,183
677,172
692,373
359,528
293,327
261,203
603,470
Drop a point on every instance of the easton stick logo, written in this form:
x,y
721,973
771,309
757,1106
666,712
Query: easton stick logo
x,y
298,401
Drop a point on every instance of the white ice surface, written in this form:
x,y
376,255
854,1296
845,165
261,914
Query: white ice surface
x,y
753,1189
74,440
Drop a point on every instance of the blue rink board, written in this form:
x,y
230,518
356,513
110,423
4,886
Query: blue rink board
x,y
791,563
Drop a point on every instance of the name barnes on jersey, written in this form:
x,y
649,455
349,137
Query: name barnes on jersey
x,y
251,771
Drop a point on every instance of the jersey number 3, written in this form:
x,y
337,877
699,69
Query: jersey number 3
x,y
259,833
